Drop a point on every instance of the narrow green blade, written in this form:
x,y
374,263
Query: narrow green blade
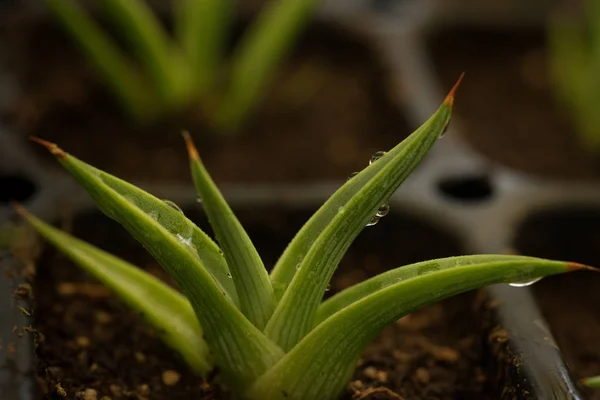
x,y
164,62
323,362
295,313
388,278
288,263
201,27
258,55
593,382
242,352
164,308
249,275
107,58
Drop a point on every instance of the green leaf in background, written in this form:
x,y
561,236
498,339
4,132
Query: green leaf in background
x,y
164,62
256,58
132,92
242,352
295,313
321,364
202,28
164,308
249,275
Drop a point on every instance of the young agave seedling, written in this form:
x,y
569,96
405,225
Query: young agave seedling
x,y
175,71
271,335
574,51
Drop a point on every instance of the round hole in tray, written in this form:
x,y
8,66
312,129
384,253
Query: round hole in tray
x,y
466,188
14,187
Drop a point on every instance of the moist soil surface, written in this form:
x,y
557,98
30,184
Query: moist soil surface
x,y
89,341
326,111
570,303
506,106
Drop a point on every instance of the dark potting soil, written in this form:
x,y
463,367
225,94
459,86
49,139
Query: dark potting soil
x,y
327,110
89,341
570,303
506,103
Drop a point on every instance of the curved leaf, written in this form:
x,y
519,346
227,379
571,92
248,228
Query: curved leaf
x,y
164,308
321,364
247,270
295,313
242,352
381,281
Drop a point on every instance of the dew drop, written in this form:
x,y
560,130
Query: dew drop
x,y
376,156
198,200
328,288
384,209
186,241
229,275
221,252
153,215
340,210
524,283
373,221
298,266
352,175
172,205
444,130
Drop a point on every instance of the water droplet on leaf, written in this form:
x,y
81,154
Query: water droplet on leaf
x,y
352,175
376,156
524,283
172,205
186,241
328,288
444,130
373,221
229,275
384,209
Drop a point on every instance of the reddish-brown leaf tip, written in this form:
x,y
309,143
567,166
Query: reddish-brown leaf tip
x,y
52,147
572,266
450,98
19,208
192,152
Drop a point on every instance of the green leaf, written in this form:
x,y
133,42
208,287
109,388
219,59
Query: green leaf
x,y
388,278
241,351
249,275
295,313
116,69
323,362
593,382
288,263
164,308
164,62
202,27
257,56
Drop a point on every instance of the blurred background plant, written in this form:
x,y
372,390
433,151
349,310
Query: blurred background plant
x,y
574,49
156,73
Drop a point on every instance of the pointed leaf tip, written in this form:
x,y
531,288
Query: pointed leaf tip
x,y
52,147
450,98
573,266
19,209
192,152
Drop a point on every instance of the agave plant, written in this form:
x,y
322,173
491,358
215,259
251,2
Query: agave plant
x,y
173,72
270,334
574,50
